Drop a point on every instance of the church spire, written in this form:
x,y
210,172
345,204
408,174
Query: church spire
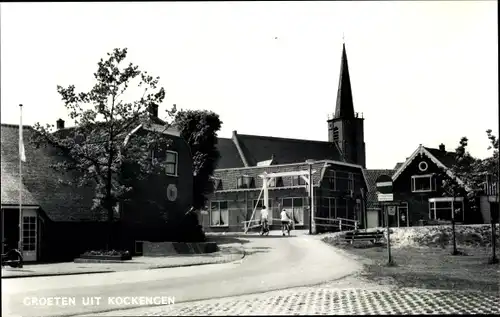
x,y
345,106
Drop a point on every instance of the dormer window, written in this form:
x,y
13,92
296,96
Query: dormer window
x,y
246,182
217,184
298,181
423,183
276,182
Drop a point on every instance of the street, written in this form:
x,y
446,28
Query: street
x,y
271,263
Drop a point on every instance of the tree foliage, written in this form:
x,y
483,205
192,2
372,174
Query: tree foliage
x,y
469,172
199,128
100,143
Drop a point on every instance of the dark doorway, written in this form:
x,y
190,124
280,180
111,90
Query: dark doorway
x,y
494,212
10,228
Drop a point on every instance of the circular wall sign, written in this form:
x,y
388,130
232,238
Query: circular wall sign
x,y
423,166
172,192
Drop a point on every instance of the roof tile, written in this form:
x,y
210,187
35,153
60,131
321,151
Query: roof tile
x,y
371,177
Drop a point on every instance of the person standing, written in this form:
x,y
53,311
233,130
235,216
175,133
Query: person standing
x,y
264,214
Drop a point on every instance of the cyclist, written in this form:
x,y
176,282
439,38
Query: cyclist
x,y
285,221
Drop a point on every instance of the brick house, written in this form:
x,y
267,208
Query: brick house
x,y
338,162
417,187
58,223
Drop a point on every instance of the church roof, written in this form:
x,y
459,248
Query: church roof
x,y
345,106
256,148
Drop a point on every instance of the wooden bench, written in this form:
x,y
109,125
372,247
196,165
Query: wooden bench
x,y
373,237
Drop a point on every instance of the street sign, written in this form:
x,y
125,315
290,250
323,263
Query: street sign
x,y
396,203
391,210
384,188
385,197
384,184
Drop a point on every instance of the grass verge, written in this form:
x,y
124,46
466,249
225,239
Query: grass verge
x,y
426,267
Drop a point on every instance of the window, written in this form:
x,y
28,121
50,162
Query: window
x,y
329,206
350,182
276,182
335,134
440,208
260,204
171,163
29,233
295,209
298,181
246,182
422,166
330,179
342,208
423,183
217,184
219,214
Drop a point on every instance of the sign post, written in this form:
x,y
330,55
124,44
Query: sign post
x,y
384,195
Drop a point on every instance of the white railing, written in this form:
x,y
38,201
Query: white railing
x,y
338,222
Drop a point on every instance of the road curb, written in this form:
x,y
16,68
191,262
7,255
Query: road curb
x,y
242,253
54,274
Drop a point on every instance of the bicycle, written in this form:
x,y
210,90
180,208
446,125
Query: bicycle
x,y
286,228
12,258
264,229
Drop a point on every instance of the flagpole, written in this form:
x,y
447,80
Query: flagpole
x,y
20,179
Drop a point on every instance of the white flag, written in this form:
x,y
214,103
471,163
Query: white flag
x,y
22,154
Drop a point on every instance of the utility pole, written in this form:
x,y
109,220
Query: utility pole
x,y
310,200
494,214
388,234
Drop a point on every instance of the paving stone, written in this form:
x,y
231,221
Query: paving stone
x,y
329,301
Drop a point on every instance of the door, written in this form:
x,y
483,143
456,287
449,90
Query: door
x,y
403,216
372,218
29,235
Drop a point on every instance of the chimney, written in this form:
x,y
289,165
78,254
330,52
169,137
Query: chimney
x,y
60,124
272,157
153,110
442,147
235,133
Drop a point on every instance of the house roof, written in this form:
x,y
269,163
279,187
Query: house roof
x,y
398,165
441,158
229,156
371,177
41,185
10,190
256,148
230,176
445,157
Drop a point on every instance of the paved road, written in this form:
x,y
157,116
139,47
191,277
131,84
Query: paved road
x,y
271,263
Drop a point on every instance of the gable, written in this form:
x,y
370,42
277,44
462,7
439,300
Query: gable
x,y
421,164
427,152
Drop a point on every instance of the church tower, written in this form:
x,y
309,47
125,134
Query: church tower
x,y
345,127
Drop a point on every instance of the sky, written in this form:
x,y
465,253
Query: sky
x,y
421,72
